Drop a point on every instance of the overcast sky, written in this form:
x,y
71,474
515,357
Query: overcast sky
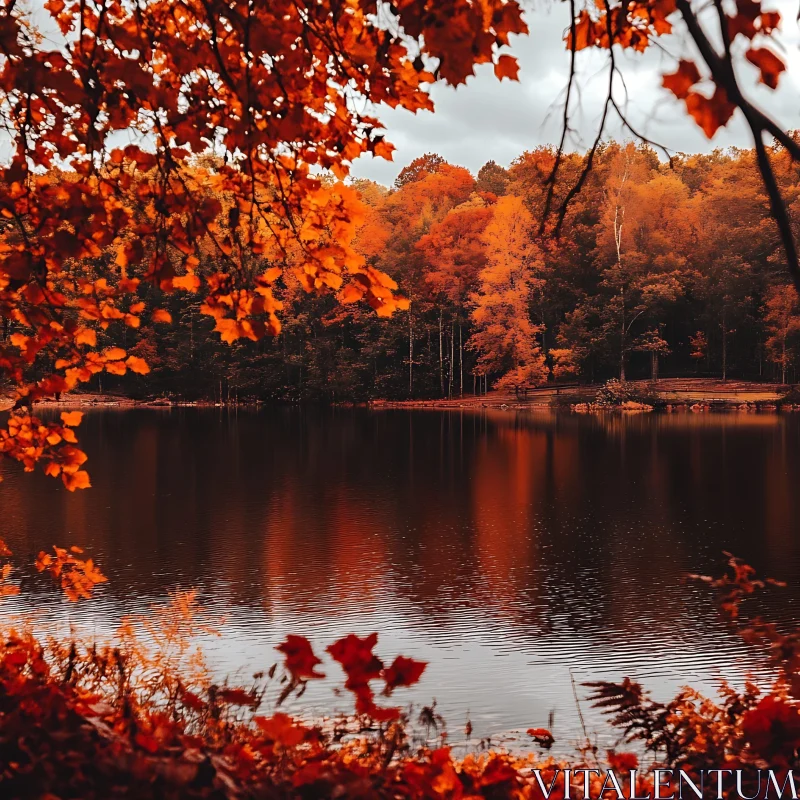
x,y
489,119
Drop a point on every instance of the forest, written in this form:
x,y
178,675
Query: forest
x,y
670,268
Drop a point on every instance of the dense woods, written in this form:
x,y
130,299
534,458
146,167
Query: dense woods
x,y
204,148
659,269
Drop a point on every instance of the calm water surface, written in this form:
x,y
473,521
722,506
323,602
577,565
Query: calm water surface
x,y
513,551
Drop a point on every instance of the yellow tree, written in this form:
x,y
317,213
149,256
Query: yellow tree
x,y
505,336
782,319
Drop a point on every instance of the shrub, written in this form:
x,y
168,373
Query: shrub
x,y
615,394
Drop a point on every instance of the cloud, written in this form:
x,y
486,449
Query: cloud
x,y
491,119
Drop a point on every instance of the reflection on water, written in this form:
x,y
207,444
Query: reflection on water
x,y
510,550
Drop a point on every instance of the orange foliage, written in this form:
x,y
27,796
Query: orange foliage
x,y
454,250
236,108
505,338
76,577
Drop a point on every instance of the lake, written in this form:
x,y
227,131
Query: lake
x,y
514,551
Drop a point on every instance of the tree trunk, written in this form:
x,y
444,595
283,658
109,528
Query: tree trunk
x,y
410,355
724,345
461,360
441,357
760,362
783,359
622,341
452,359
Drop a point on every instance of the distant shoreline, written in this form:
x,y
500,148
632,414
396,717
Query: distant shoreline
x,y
669,394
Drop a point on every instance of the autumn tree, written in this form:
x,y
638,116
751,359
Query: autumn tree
x,y
581,343
698,344
505,336
782,319
454,253
270,91
641,233
733,241
492,178
651,342
424,165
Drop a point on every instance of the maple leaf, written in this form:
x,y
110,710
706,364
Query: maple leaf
x,y
138,365
584,32
301,662
682,80
352,293
384,149
710,113
403,672
116,368
76,480
357,659
768,63
507,67
72,418
55,7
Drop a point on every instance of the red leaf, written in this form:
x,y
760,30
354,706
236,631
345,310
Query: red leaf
x,y
76,480
681,81
160,315
357,659
403,672
300,659
138,365
710,114
769,64
507,67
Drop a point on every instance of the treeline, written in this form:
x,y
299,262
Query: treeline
x,y
655,267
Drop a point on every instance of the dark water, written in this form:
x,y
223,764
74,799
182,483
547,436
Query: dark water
x,y
514,552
